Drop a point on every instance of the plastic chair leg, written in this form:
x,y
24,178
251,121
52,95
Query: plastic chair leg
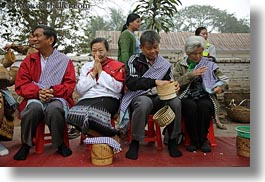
x,y
43,138
210,136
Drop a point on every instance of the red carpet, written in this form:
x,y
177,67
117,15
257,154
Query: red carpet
x,y
223,155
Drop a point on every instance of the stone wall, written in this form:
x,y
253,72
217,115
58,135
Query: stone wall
x,y
237,69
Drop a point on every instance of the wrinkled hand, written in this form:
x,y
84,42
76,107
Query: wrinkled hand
x,y
162,82
217,90
45,95
177,86
200,71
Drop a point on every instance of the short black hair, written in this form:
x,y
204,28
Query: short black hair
x,y
48,32
99,39
149,36
199,29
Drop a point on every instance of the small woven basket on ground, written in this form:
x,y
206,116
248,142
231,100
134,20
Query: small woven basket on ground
x,y
166,92
238,112
238,97
243,140
164,116
243,146
101,154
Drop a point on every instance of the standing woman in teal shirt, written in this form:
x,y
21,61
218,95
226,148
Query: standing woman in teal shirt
x,y
128,42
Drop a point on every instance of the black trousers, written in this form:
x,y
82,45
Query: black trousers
x,y
197,115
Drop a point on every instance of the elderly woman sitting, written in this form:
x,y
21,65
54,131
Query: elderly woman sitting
x,y
200,80
100,86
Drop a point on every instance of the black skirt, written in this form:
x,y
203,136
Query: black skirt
x,y
95,114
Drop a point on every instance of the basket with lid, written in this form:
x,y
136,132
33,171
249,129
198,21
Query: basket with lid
x,y
101,154
166,92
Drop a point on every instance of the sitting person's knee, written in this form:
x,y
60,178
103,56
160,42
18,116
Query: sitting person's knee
x,y
34,108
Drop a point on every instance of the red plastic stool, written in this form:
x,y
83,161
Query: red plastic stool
x,y
44,138
210,135
152,134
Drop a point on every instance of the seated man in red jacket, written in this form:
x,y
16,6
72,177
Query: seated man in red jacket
x,y
46,81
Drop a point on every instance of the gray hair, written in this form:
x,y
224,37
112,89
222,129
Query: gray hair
x,y
149,36
194,42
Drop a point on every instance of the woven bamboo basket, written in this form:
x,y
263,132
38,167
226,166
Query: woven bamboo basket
x,y
238,113
9,59
13,73
164,116
243,146
101,154
238,97
4,77
167,92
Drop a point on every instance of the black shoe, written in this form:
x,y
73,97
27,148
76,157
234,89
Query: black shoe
x,y
64,150
205,147
22,153
132,153
173,148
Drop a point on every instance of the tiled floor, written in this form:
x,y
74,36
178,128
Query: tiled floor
x,y
223,155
